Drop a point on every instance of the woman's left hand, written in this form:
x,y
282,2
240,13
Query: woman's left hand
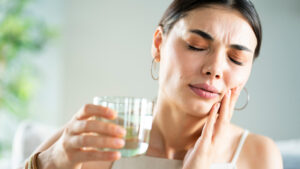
x,y
214,131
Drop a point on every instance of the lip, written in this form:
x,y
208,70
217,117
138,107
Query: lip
x,y
205,90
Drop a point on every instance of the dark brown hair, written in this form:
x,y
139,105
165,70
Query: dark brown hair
x,y
179,8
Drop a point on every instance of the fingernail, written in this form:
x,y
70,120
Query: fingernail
x,y
121,131
116,155
108,113
119,142
111,114
114,113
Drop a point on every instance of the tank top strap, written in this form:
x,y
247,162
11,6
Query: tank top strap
x,y
239,148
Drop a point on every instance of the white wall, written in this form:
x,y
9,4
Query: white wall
x,y
106,51
274,83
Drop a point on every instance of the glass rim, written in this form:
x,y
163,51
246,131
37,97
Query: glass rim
x,y
120,100
123,98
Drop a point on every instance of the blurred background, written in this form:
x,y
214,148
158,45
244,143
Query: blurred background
x,y
57,55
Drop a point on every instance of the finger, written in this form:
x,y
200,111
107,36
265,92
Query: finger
x,y
208,128
94,155
96,126
223,119
224,109
96,141
90,110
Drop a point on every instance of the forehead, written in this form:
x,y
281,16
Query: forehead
x,y
223,24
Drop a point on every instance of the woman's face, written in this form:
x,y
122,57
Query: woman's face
x,y
207,53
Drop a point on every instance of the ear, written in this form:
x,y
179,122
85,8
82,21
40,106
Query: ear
x,y
156,43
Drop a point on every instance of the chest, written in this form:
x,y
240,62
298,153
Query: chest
x,y
144,162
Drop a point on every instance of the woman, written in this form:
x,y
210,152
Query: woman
x,y
206,49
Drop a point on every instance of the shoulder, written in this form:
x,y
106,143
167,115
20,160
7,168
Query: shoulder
x,y
261,152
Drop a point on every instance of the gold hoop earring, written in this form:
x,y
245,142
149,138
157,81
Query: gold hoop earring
x,y
245,105
151,71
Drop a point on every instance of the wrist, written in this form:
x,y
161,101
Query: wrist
x,y
44,161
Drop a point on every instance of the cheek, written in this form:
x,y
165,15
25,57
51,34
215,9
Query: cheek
x,y
170,63
237,77
187,64
174,61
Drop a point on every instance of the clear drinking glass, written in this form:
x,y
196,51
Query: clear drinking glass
x,y
135,115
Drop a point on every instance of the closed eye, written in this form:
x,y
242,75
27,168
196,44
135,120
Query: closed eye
x,y
236,62
194,48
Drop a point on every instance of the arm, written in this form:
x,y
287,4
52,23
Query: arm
x,y
48,143
274,159
79,141
263,153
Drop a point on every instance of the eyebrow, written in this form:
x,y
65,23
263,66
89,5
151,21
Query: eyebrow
x,y
209,37
240,47
202,34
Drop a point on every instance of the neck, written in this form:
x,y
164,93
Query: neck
x,y
174,131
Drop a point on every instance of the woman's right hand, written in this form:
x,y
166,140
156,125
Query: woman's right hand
x,y
214,132
82,138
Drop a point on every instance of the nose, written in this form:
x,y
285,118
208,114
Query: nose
x,y
212,67
212,74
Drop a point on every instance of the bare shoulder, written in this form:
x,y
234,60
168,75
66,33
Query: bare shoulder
x,y
260,152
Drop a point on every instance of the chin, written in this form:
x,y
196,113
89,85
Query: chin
x,y
199,108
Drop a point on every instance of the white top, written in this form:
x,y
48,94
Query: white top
x,y
147,162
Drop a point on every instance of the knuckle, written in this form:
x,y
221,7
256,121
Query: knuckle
x,y
85,125
84,140
100,156
103,126
90,156
67,130
99,142
108,128
105,142
79,141
64,144
108,113
86,107
103,155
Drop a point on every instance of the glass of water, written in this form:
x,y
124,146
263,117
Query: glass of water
x,y
135,115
